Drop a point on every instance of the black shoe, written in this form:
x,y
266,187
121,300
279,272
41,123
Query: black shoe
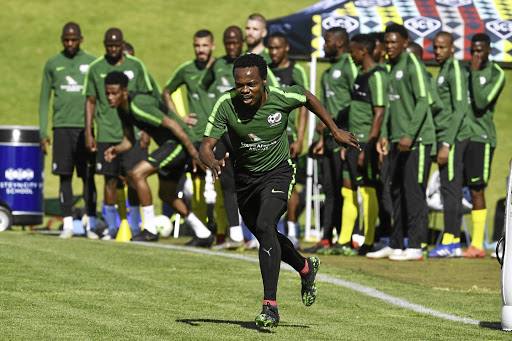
x,y
364,249
269,317
145,236
309,290
205,242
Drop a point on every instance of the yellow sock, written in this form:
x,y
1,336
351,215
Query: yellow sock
x,y
371,212
456,240
479,217
448,238
198,204
121,203
348,215
220,209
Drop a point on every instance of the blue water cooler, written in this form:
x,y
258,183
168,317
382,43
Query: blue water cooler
x,y
21,176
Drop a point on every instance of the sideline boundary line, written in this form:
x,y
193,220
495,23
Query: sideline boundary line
x,y
368,291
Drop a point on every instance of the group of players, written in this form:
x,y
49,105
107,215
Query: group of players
x,y
374,87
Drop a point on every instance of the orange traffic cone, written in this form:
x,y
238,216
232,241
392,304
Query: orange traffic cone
x,y
124,234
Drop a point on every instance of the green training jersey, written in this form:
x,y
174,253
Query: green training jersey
x,y
146,113
198,100
485,88
370,90
452,87
259,141
109,129
157,90
294,74
409,112
65,77
218,78
336,83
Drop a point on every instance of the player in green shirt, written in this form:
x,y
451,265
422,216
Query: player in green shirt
x,y
256,116
450,123
288,73
487,80
369,100
108,124
64,74
412,136
255,32
169,160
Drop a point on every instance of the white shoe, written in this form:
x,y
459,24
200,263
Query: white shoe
x,y
92,235
107,237
252,244
66,234
408,254
385,252
229,245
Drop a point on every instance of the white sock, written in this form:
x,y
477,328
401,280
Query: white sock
x,y
68,223
236,234
200,230
291,229
149,219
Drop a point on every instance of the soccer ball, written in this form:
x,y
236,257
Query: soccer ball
x,y
163,225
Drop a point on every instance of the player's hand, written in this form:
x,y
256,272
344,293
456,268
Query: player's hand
x,y
43,143
382,146
217,166
295,149
90,143
346,138
360,159
343,153
404,144
110,154
442,155
190,119
320,126
476,62
145,140
318,148
197,164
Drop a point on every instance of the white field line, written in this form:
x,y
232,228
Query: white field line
x,y
399,302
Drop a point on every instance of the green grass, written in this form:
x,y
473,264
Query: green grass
x,y
79,289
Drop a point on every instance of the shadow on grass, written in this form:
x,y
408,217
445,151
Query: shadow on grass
x,y
490,325
243,324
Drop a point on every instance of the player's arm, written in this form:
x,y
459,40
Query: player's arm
x,y
44,102
488,92
342,137
208,157
122,147
176,80
301,129
90,106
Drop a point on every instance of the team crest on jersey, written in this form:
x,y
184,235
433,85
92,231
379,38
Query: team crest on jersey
x,y
129,73
336,74
274,119
83,68
399,74
482,80
440,80
254,138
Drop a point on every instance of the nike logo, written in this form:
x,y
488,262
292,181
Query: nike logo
x,y
242,121
194,77
103,75
274,191
359,178
267,251
60,68
475,179
151,159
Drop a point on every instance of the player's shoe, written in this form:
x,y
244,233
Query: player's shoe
x,y
473,252
229,245
309,290
66,233
269,317
92,235
145,236
339,249
203,242
107,237
322,244
408,254
365,249
385,252
446,251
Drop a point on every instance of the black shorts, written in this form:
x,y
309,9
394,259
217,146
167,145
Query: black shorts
x,y
253,187
477,164
171,159
69,151
369,173
122,163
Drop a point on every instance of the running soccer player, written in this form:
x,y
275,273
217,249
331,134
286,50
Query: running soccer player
x,y
289,73
487,80
109,129
169,160
412,135
64,74
369,100
451,124
256,117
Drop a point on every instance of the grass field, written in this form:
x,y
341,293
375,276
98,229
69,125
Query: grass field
x,y
79,289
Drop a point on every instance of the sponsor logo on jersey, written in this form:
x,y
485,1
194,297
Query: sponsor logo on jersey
x,y
19,174
345,22
501,28
72,85
129,73
454,3
254,138
422,26
83,68
372,3
274,119
440,80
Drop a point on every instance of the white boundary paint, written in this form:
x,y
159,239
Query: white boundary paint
x,y
368,291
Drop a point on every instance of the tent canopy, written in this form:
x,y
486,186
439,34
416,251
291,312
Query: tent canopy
x,y
422,18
